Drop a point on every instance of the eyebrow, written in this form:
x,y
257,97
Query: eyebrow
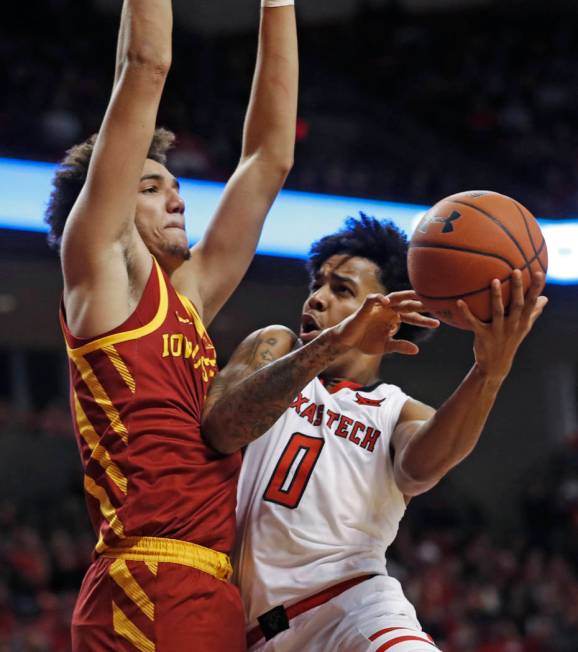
x,y
159,177
344,279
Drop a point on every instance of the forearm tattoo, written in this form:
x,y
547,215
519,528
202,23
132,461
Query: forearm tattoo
x,y
248,408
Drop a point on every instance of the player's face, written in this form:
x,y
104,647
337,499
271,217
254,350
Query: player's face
x,y
337,291
160,213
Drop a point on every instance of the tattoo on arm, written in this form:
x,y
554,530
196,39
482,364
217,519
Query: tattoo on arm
x,y
264,351
245,408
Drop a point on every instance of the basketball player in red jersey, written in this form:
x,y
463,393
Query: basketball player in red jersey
x,y
321,493
135,307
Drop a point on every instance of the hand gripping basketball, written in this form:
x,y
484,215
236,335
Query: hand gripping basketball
x,y
496,343
372,327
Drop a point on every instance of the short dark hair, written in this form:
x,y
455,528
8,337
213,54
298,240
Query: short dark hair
x,y
382,243
71,175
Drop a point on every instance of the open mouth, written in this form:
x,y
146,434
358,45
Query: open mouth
x,y
310,329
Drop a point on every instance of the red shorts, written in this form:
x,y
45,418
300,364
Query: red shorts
x,y
156,607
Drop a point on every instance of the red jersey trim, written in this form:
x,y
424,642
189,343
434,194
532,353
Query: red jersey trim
x,y
124,336
343,384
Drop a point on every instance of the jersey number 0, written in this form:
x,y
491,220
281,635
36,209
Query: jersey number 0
x,y
293,470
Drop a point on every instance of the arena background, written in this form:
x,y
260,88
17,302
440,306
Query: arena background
x,y
403,101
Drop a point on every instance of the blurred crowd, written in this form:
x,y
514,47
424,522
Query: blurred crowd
x,y
393,106
475,588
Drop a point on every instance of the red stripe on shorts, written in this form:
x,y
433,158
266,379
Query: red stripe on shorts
x,y
381,632
401,639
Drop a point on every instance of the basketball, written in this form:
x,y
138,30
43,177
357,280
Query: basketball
x,y
465,241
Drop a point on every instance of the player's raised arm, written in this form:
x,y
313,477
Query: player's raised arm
x,y
100,236
429,444
221,258
264,375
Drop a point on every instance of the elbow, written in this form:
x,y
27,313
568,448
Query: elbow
x,y
276,165
146,61
213,438
278,169
411,483
284,166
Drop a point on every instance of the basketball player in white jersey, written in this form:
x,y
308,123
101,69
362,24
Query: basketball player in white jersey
x,y
322,492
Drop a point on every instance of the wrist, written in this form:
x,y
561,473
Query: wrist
x,y
490,380
332,341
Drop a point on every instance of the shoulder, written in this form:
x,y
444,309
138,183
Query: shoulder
x,y
277,336
413,410
412,416
264,346
257,350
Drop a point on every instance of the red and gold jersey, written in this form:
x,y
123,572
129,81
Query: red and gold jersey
x,y
137,395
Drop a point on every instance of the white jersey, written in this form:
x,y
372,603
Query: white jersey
x,y
317,500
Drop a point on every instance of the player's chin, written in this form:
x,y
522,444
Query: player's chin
x,y
179,250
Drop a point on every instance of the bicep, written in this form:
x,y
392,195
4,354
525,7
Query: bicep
x,y
103,213
220,259
411,418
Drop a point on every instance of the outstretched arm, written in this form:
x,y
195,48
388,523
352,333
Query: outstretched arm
x,y
100,230
221,258
264,375
429,444
122,40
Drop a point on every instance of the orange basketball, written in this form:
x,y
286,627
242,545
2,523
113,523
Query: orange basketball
x,y
464,242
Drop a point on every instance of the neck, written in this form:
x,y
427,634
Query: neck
x,y
170,264
362,369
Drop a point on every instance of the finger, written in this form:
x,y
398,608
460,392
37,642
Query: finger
x,y
541,303
467,314
404,347
536,286
497,303
403,295
408,306
538,281
415,319
377,298
373,301
517,294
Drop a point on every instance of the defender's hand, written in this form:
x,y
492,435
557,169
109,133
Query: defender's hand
x,y
496,343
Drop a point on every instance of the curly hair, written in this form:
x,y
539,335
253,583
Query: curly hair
x,y
382,243
71,175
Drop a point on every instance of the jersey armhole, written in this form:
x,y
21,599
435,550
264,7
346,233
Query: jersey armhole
x,y
388,418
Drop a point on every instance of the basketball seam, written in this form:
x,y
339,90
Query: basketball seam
x,y
519,209
530,236
472,292
496,221
435,245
